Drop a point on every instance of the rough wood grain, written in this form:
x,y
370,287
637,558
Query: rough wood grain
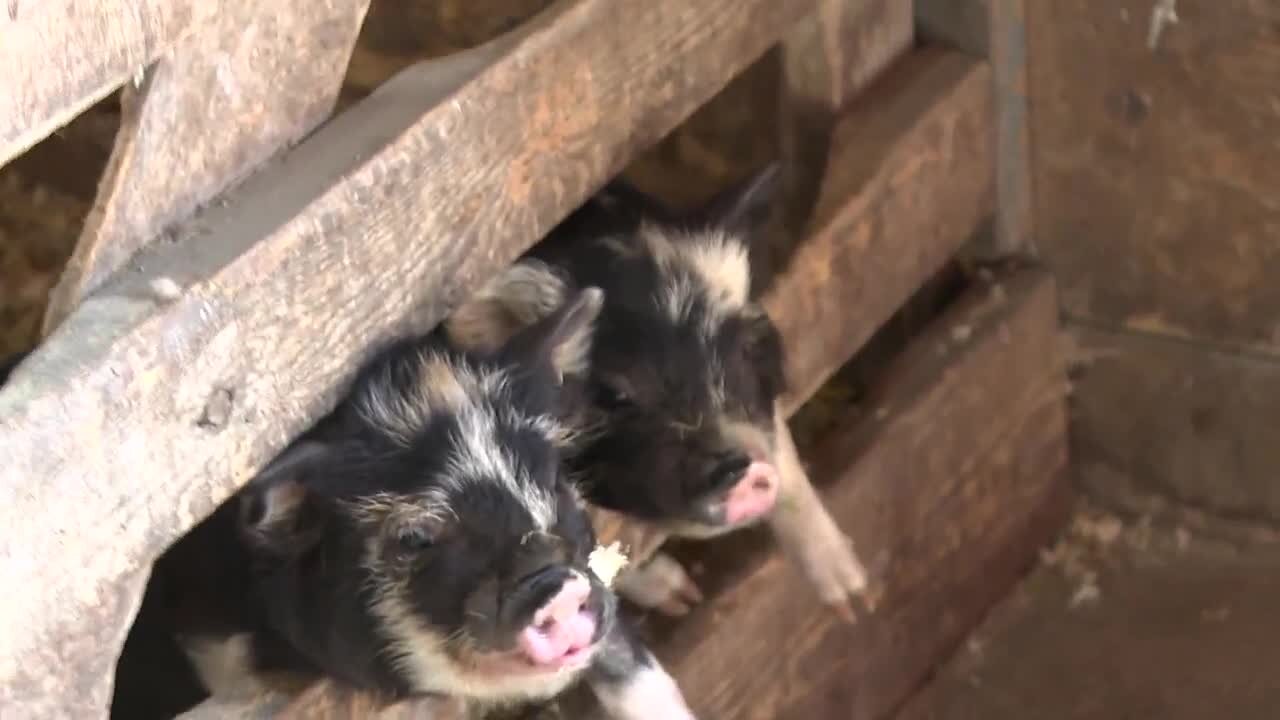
x,y
61,56
256,78
827,59
997,30
951,486
909,179
1156,169
147,407
1192,424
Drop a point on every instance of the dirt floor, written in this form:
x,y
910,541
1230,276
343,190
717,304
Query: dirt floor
x,y
1125,620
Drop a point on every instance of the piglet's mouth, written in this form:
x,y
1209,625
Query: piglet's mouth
x,y
562,634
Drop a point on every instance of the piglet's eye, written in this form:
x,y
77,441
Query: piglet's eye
x,y
414,539
612,397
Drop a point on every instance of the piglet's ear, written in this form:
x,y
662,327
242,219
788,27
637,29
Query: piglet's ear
x,y
274,506
562,341
744,207
511,302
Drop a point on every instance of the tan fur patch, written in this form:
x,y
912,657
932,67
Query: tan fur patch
x,y
718,262
441,386
520,296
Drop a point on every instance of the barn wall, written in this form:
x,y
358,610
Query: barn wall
x,y
1157,191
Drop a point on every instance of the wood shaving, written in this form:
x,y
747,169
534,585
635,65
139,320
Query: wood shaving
x,y
606,561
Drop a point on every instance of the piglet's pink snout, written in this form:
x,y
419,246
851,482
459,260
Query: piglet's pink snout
x,y
562,630
754,495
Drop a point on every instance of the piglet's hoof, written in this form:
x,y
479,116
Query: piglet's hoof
x,y
660,584
826,557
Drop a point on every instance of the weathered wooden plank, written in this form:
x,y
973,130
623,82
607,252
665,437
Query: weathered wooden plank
x,y
949,486
1156,167
909,179
61,56
996,30
169,386
827,59
1192,424
256,78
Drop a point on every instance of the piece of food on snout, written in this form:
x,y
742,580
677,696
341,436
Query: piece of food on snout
x,y
422,538
679,424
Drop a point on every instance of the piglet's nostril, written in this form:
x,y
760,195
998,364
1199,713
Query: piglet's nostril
x,y
729,470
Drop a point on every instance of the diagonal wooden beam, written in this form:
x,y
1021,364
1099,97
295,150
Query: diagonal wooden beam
x,y
257,77
61,56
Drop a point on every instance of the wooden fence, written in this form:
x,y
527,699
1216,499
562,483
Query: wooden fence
x,y
243,251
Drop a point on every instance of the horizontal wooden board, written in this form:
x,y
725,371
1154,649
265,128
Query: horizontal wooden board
x,y
910,178
950,487
61,56
1156,168
171,385
1194,424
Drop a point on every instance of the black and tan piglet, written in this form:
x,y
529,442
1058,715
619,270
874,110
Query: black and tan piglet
x,y
421,539
681,426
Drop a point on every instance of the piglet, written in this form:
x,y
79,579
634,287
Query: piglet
x,y
421,539
680,426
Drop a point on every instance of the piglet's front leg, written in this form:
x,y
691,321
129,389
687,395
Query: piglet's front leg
x,y
660,583
808,534
631,684
651,579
